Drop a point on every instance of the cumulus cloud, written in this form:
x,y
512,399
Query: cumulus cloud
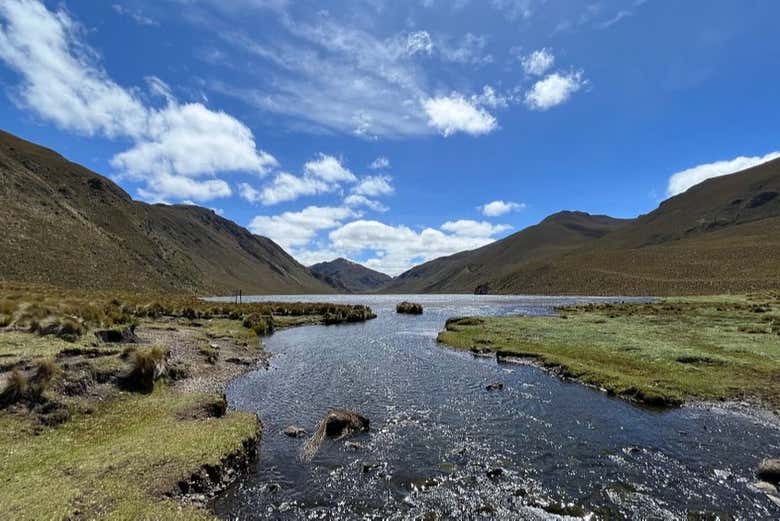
x,y
361,200
191,140
469,228
553,90
374,186
682,181
62,83
454,113
496,208
295,229
380,163
329,169
396,248
285,187
538,62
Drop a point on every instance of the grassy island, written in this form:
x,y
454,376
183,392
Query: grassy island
x,y
665,352
111,405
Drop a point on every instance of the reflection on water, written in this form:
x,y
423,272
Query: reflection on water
x,y
441,446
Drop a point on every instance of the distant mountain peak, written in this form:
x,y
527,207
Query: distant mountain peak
x,y
348,276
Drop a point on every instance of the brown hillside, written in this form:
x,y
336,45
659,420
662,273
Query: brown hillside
x,y
349,277
722,235
465,271
68,226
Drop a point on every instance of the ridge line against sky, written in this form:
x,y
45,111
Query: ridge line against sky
x,y
391,133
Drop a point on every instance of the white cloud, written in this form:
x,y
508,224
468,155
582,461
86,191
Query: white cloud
x,y
295,229
361,200
682,181
323,76
469,228
285,187
490,98
380,163
454,113
538,62
191,140
329,169
471,50
62,83
396,248
419,43
165,187
553,90
374,186
496,208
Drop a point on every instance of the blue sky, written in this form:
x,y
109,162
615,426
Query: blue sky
x,y
395,132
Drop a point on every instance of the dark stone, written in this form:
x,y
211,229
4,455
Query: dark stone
x,y
498,386
769,471
294,431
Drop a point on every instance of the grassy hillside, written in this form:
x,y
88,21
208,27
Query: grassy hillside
x,y
720,236
68,226
349,277
467,271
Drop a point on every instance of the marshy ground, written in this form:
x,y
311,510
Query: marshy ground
x,y
665,352
132,429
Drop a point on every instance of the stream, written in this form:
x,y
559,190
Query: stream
x,y
443,447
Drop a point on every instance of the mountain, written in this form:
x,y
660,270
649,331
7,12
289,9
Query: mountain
x,y
349,277
720,236
68,226
469,271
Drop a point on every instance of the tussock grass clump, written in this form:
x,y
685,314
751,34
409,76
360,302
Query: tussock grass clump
x,y
69,329
409,308
261,324
15,389
22,387
147,366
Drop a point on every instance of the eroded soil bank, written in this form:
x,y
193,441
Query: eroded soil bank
x,y
113,408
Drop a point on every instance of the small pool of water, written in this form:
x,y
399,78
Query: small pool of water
x,y
442,447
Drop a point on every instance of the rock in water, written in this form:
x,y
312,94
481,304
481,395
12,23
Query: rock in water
x,y
338,423
293,431
409,308
494,387
769,470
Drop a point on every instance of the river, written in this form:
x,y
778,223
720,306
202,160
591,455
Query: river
x,y
442,447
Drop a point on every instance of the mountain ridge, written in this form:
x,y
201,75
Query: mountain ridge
x,y
69,226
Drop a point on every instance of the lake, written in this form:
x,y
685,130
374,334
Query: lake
x,y
441,446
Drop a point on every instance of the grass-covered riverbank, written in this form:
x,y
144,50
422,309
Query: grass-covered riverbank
x,y
666,352
132,426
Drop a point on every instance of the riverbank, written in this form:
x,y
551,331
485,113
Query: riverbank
x,y
662,353
133,426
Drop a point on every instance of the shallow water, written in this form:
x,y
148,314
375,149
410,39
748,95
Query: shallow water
x,y
436,432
